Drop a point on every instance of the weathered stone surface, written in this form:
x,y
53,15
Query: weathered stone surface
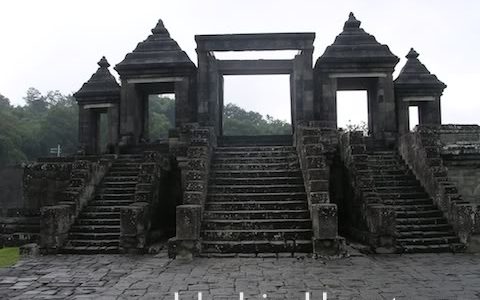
x,y
189,221
324,221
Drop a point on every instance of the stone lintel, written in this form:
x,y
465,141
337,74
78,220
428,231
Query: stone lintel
x,y
358,75
99,105
419,98
255,67
260,41
153,80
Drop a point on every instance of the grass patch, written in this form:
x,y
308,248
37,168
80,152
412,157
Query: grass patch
x,y
9,256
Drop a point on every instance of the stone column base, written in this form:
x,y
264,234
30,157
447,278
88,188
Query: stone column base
x,y
329,247
183,250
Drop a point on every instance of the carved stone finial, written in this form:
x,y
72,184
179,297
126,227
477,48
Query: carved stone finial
x,y
103,63
159,28
352,22
412,54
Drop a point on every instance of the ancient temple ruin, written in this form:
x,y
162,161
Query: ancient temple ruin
x,y
394,189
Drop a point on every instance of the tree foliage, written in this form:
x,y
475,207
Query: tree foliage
x,y
237,121
47,120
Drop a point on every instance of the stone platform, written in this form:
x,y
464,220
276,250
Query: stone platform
x,y
414,276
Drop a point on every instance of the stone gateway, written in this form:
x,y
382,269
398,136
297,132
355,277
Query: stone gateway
x,y
396,190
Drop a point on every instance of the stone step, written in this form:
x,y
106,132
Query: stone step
x,y
403,195
255,149
401,189
422,207
102,208
254,160
219,224
126,163
258,166
419,214
447,239
424,234
126,196
256,205
117,169
433,248
93,236
256,173
257,181
94,243
407,202
389,168
257,214
260,246
126,179
253,154
97,222
224,197
121,173
395,177
384,173
396,183
116,190
90,250
99,215
422,227
251,235
120,184
421,221
111,203
95,228
256,188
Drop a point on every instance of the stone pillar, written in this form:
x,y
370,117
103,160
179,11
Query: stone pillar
x,y
182,107
325,230
326,100
385,125
113,126
308,110
429,113
189,221
131,119
203,87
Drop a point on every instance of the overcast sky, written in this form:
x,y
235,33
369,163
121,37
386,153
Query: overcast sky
x,y
54,45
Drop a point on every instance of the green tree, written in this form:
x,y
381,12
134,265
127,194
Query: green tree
x,y
238,121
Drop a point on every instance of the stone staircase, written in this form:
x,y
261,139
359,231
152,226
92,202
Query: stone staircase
x,y
421,226
97,228
256,202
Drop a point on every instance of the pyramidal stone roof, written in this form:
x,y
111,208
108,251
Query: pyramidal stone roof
x,y
354,45
159,53
101,84
415,73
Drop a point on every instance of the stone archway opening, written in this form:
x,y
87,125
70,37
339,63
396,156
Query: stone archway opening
x,y
352,110
413,117
251,110
161,115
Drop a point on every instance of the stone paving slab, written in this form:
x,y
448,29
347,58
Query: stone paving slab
x,y
102,277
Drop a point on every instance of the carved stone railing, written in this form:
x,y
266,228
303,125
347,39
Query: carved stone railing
x,y
422,152
315,147
135,220
57,218
195,174
370,220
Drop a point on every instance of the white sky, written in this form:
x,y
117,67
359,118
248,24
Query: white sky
x,y
55,44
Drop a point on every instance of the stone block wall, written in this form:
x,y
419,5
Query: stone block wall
x,y
369,220
422,150
195,174
315,148
58,216
136,219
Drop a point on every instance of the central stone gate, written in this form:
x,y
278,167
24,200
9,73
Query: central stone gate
x,y
211,71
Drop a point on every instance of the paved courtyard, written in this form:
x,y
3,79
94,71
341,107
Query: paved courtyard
x,y
420,276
